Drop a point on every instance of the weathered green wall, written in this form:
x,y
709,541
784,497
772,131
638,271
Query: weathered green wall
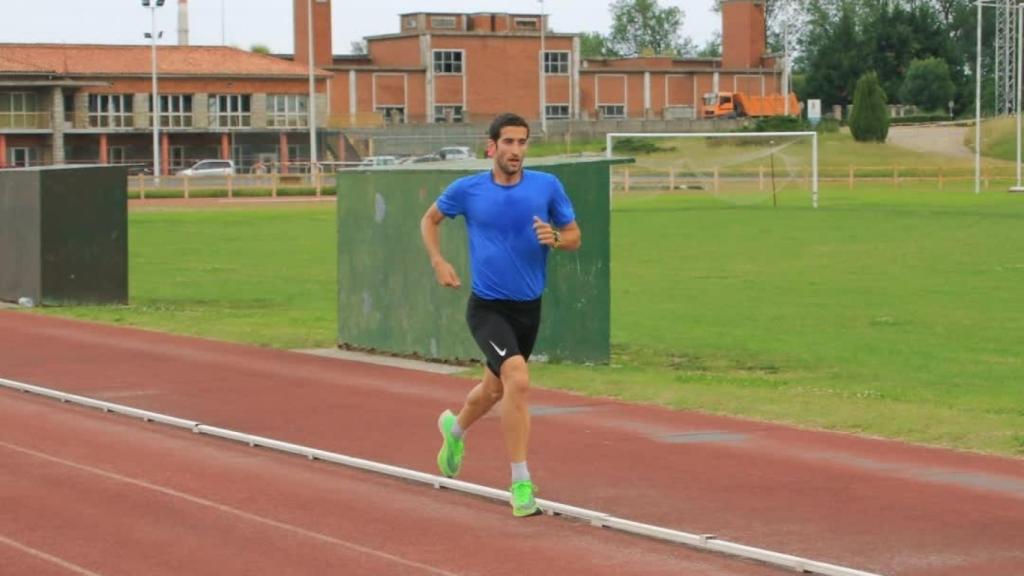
x,y
64,234
388,299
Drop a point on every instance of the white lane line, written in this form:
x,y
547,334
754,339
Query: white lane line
x,y
228,510
48,557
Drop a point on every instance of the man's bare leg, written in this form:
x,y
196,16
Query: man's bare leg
x,y
515,413
480,400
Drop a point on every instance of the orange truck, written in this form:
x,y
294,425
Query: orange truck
x,y
738,104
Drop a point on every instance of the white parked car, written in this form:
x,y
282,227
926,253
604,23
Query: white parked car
x,y
455,153
380,161
209,168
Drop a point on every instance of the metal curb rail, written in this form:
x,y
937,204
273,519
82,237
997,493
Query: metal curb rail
x,y
595,518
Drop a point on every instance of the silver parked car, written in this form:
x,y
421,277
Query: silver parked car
x,y
209,168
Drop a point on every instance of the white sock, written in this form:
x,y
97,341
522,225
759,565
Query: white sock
x,y
520,473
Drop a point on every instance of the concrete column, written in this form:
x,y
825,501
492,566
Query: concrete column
x,y
57,119
259,110
321,111
104,150
200,110
647,95
574,83
80,117
140,110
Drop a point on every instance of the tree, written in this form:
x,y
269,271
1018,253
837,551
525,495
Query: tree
x,y
712,48
358,47
832,55
642,27
928,84
259,49
869,121
595,45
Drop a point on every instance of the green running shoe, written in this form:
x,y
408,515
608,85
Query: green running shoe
x,y
449,459
523,502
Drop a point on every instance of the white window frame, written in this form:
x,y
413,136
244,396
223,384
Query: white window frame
x,y
625,95
173,113
101,111
294,112
458,114
435,63
230,110
550,116
555,68
177,156
24,115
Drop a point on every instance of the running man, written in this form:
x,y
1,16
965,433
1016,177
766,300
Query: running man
x,y
514,218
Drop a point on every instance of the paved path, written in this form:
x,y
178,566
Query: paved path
x,y
941,140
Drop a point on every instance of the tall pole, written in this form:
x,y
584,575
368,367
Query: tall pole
x,y
1020,92
543,76
156,98
312,93
977,108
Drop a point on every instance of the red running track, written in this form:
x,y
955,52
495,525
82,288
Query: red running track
x,y
868,504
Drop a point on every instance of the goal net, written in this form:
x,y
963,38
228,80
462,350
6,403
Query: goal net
x,y
736,168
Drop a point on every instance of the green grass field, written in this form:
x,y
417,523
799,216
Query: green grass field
x,y
889,311
893,312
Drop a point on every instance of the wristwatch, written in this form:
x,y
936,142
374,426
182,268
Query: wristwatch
x,y
558,237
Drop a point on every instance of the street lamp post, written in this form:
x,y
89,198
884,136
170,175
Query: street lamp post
x,y
153,5
543,76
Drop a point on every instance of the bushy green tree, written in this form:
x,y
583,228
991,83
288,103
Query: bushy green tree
x,y
928,85
642,27
869,121
595,45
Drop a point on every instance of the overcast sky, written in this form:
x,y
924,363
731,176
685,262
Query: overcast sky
x,y
269,22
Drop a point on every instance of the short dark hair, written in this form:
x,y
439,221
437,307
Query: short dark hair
x,y
503,120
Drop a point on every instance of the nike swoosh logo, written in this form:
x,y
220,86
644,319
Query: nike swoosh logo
x,y
500,351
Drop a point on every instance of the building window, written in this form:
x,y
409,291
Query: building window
x,y
447,22
117,154
612,111
392,114
230,111
525,24
287,110
557,111
177,156
175,110
556,62
450,113
21,110
448,61
110,111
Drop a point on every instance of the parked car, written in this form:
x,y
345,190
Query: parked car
x,y
379,161
455,153
209,168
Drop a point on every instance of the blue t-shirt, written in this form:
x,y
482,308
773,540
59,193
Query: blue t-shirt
x,y
505,258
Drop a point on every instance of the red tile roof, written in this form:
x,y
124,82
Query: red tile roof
x,y
102,60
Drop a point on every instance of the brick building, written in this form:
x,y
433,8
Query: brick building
x,y
71,103
442,67
92,103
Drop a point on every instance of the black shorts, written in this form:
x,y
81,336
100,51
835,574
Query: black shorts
x,y
503,328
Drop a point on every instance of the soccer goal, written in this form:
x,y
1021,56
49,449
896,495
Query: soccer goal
x,y
734,167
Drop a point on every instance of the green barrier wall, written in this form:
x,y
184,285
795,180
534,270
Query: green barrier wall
x,y
64,235
388,299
